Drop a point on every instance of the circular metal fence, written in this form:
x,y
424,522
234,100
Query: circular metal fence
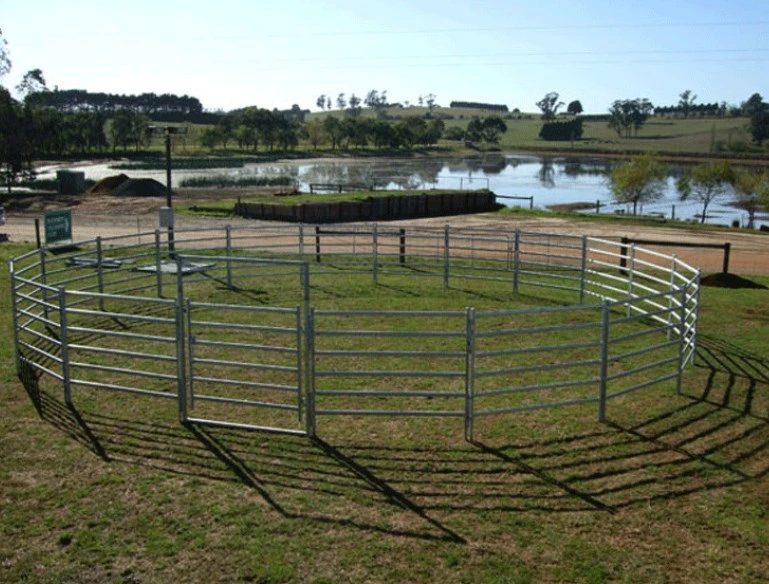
x,y
228,321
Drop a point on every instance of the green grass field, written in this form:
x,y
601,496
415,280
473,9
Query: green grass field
x,y
675,137
672,488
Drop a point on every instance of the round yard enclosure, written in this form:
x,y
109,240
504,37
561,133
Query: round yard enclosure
x,y
280,327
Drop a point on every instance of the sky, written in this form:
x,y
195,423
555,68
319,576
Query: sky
x,y
277,53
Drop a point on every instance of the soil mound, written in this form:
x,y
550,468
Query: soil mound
x,y
723,280
140,187
121,185
106,185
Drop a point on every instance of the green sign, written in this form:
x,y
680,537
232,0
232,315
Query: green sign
x,y
58,226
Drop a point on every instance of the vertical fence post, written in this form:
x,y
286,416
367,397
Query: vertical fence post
x,y
64,342
516,260
305,370
469,372
374,253
631,273
317,244
228,246
402,247
181,359
446,256
309,338
682,338
100,271
190,356
159,273
727,251
44,282
696,315
623,256
583,270
604,371
301,241
671,297
15,318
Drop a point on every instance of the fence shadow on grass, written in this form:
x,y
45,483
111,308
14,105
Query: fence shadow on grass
x,y
714,436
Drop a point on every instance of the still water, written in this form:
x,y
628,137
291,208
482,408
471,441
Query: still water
x,y
550,180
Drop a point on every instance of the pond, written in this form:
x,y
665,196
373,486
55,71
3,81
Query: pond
x,y
550,180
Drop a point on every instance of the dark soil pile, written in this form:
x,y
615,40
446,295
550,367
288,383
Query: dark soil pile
x,y
723,280
106,185
122,186
140,187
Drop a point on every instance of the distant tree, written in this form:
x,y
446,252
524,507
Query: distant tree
x,y
627,115
321,101
516,113
640,179
5,56
752,190
754,104
686,102
328,103
759,126
32,82
316,133
758,112
16,151
434,132
383,135
420,101
341,102
430,101
574,108
129,127
354,104
705,183
549,105
491,128
334,131
209,138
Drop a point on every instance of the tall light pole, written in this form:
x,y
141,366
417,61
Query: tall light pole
x,y
167,214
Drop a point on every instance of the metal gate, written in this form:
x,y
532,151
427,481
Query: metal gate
x,y
244,367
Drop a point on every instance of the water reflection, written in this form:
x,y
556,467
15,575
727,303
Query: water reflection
x,y
546,173
551,180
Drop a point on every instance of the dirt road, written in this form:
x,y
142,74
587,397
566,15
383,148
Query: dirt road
x,y
114,216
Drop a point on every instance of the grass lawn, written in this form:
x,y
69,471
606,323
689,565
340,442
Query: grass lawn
x,y
672,488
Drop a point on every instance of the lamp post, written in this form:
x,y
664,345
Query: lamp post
x,y
167,214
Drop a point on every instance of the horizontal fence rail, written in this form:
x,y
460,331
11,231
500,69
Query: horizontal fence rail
x,y
186,323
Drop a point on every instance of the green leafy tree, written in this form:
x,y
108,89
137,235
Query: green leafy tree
x,y
752,190
321,101
5,56
316,133
354,103
549,106
341,102
210,138
574,108
334,131
638,180
686,102
16,151
32,82
628,115
705,183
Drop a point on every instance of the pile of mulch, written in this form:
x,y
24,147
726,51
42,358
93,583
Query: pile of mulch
x,y
725,280
122,186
